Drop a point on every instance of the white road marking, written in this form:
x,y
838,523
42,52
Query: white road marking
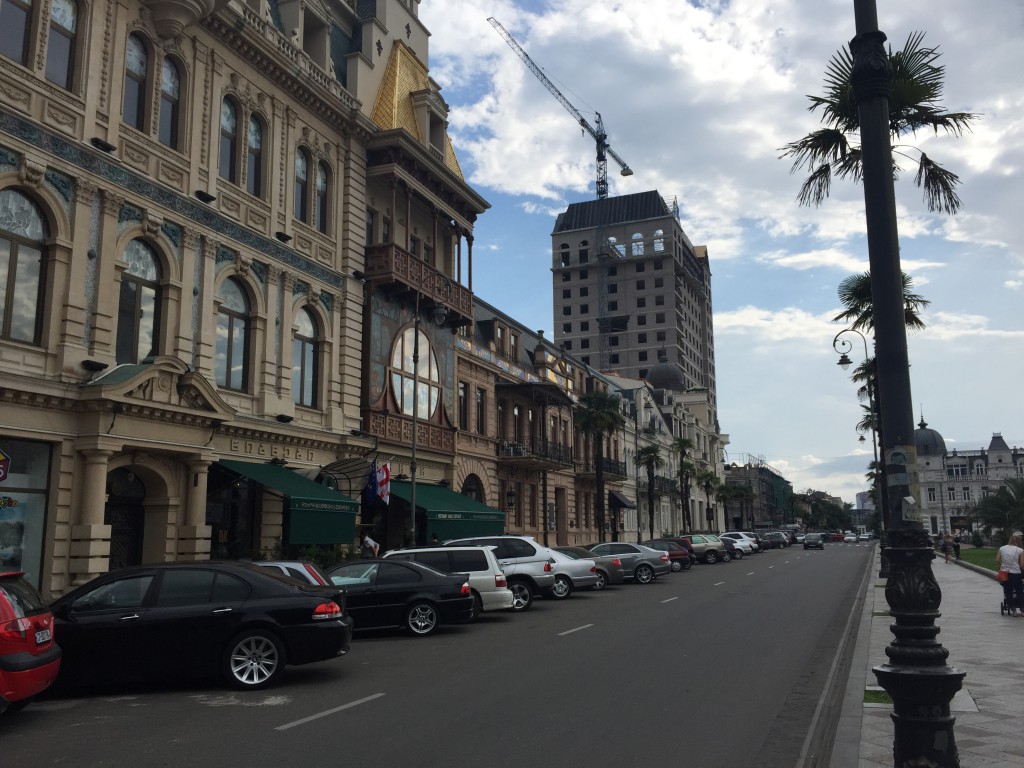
x,y
719,583
669,600
750,574
570,631
235,700
770,567
317,716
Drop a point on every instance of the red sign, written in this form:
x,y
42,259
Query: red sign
x,y
5,465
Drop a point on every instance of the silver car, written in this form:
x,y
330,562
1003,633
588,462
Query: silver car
x,y
571,573
641,564
529,568
609,567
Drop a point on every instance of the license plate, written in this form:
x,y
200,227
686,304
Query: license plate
x,y
42,636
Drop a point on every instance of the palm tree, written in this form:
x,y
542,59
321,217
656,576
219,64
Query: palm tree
x,y
723,495
599,415
650,457
745,495
855,296
681,445
914,104
1004,510
707,480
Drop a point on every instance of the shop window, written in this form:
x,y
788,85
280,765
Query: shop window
x,y
23,502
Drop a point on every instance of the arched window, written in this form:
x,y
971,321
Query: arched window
x,y
138,318
421,385
659,240
60,46
322,198
229,141
254,157
136,69
23,232
232,354
473,488
170,93
638,244
305,366
301,182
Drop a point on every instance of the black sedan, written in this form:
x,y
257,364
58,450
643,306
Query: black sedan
x,y
403,593
188,619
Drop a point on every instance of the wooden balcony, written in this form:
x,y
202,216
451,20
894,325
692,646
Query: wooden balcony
x,y
396,428
392,269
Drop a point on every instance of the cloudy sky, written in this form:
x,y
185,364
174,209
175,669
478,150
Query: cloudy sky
x,y
698,97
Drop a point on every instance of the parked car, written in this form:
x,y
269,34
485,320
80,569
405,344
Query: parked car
x,y
708,549
774,540
570,574
529,567
850,538
641,564
678,555
745,541
305,572
814,541
29,657
486,579
864,536
197,618
732,550
838,536
407,594
609,567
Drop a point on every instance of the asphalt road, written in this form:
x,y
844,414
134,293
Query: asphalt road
x,y
723,665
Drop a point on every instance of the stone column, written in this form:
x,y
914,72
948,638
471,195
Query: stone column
x,y
194,534
90,537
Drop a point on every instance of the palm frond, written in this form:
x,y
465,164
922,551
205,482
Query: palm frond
x,y
939,186
816,187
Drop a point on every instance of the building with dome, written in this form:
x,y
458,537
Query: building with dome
x,y
953,482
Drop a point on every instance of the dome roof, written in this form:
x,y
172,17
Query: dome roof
x,y
666,375
928,441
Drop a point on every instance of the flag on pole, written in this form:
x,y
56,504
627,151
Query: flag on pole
x,y
384,482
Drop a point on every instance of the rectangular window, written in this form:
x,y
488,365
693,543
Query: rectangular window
x,y
659,336
613,288
566,311
613,271
613,358
613,341
643,355
613,306
931,494
951,493
566,327
566,276
659,282
568,346
385,231
371,225
966,494
414,246
659,318
641,320
641,285
584,308
585,344
463,405
585,325
640,267
481,412
659,301
641,302
566,293
583,274
584,291
641,338
513,346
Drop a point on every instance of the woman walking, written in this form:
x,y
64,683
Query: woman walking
x,y
1010,559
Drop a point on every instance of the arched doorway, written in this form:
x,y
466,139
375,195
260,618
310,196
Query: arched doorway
x,y
125,513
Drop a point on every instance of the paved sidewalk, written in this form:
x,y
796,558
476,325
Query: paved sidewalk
x,y
989,709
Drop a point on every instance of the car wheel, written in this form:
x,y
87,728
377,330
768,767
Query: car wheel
x,y
602,581
422,619
478,607
562,588
738,554
726,557
643,574
522,595
711,557
687,565
253,660
677,566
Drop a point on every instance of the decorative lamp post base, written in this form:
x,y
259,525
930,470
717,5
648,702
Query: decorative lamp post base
x,y
917,677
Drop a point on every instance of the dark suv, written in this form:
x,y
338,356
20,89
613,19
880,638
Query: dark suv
x,y
29,658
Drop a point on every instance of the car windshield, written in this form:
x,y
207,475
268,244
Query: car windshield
x,y
574,552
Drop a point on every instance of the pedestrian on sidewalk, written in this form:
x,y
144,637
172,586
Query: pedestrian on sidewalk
x,y
1010,558
956,546
947,547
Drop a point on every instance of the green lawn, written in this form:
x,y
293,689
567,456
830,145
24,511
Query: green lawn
x,y
983,556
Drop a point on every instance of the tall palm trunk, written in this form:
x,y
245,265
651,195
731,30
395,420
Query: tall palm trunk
x,y
650,497
599,479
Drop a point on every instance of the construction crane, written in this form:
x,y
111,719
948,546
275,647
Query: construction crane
x,y
603,150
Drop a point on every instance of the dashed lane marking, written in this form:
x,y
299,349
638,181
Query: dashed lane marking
x,y
669,600
325,713
577,629
719,583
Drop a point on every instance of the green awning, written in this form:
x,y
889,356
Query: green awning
x,y
451,515
316,514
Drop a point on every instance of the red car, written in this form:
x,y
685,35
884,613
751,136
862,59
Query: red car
x,y
29,658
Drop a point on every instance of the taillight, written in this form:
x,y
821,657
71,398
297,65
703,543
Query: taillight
x,y
326,611
664,558
499,580
593,569
465,590
547,567
617,563
15,629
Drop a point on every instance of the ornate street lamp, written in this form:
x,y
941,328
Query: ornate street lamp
x,y
916,676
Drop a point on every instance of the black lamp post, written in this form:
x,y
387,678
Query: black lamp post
x,y
510,498
917,677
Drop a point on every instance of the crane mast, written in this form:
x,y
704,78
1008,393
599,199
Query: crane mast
x,y
600,136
